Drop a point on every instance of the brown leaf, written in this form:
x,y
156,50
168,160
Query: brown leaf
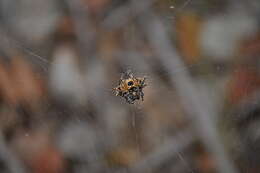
x,y
29,87
188,28
7,86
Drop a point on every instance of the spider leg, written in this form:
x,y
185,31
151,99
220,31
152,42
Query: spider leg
x,y
129,100
143,84
129,73
117,91
142,95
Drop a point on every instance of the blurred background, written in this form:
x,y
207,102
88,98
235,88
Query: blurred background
x,y
60,59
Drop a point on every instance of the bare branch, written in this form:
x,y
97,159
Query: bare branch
x,y
197,107
166,151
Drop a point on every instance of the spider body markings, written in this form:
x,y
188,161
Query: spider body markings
x,y
130,87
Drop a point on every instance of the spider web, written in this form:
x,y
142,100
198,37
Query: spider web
x,y
44,64
143,67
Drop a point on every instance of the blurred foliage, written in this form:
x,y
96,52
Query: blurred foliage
x,y
59,61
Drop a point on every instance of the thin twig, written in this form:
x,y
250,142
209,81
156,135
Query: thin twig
x,y
13,164
196,106
120,16
84,30
171,148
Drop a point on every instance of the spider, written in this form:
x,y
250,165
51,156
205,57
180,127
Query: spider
x,y
130,87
